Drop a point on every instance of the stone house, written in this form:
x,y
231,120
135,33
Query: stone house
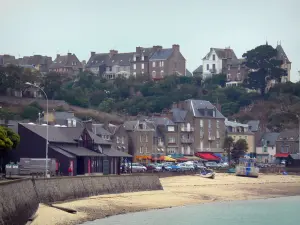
x,y
287,143
38,62
266,147
66,64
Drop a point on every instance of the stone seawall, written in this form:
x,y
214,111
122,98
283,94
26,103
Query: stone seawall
x,y
18,202
19,199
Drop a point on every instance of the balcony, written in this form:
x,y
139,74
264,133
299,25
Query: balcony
x,y
160,144
211,138
187,140
187,129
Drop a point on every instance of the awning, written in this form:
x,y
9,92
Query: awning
x,y
207,156
282,155
192,158
169,159
143,157
182,159
115,153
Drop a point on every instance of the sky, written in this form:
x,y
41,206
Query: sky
x,y
48,27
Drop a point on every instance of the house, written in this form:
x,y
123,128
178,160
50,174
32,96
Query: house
x,y
287,143
66,64
140,142
188,73
6,60
38,62
287,64
61,118
110,65
236,72
75,147
254,125
166,61
140,60
215,61
201,127
198,71
266,147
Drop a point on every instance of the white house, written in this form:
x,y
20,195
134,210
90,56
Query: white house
x,y
215,61
266,147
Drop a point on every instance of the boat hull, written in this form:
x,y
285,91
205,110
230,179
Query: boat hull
x,y
246,171
208,175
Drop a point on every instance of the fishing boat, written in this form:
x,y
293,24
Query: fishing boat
x,y
207,173
247,167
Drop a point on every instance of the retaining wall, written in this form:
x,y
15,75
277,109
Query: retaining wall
x,y
19,199
18,202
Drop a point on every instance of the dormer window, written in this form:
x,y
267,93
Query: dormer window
x,y
171,128
142,58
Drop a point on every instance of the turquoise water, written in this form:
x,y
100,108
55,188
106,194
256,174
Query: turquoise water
x,y
276,211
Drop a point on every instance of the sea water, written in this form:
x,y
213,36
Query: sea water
x,y
275,211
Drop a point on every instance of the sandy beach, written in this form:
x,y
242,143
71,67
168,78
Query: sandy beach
x,y
178,191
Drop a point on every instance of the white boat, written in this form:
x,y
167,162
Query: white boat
x,y
207,173
247,167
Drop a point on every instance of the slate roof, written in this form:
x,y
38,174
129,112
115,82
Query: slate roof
x,y
35,60
188,73
121,59
164,121
115,153
289,135
235,62
162,54
62,61
145,51
199,69
196,106
133,124
235,124
281,54
100,130
79,151
178,115
270,137
253,125
222,53
61,151
97,139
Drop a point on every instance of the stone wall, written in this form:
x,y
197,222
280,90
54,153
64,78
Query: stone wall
x,y
18,202
19,199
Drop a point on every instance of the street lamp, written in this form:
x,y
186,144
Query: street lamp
x,y
47,129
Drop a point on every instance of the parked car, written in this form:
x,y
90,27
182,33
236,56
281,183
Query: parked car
x,y
137,167
154,167
223,164
199,165
186,167
212,165
172,167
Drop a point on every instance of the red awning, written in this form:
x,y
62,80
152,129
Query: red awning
x,y
207,156
282,155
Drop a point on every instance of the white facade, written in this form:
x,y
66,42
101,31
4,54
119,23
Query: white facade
x,y
266,156
212,64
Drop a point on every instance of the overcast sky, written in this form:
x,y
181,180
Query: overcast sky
x,y
48,27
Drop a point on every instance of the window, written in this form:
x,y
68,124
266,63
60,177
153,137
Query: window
x,y
142,66
171,128
141,138
134,74
161,63
201,123
171,140
201,133
214,66
134,58
153,74
218,134
171,150
134,66
118,141
201,145
218,144
209,123
207,67
229,67
153,64
162,73
246,137
146,149
146,138
214,57
218,124
123,140
142,58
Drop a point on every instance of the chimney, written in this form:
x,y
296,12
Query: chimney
x,y
69,53
138,49
176,47
93,53
57,55
157,47
88,125
113,52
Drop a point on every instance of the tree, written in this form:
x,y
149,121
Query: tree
x,y
264,66
228,144
52,85
239,149
30,112
8,140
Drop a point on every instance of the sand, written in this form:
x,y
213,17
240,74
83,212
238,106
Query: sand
x,y
178,191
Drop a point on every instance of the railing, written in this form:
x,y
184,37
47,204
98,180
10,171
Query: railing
x,y
187,140
187,129
211,138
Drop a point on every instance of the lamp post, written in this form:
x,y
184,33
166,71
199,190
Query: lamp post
x,y
47,129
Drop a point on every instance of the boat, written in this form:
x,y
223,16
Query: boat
x,y
247,167
207,173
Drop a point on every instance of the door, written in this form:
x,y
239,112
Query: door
x,y
80,166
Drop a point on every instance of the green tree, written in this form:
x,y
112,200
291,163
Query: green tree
x,y
106,105
30,112
264,66
239,149
228,145
52,85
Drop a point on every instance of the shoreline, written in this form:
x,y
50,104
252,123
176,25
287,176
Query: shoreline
x,y
178,191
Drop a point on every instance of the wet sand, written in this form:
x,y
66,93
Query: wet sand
x,y
178,191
